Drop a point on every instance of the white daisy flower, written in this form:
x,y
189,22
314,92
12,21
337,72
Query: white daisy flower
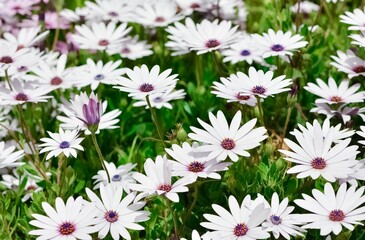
x,y
100,36
330,211
79,15
142,82
281,221
359,174
115,214
157,13
11,56
132,49
207,236
343,112
94,73
190,162
160,100
8,124
334,1
23,93
9,157
177,35
224,140
111,10
317,155
66,142
188,6
349,63
25,38
210,36
306,7
279,43
121,177
158,180
362,134
333,94
358,39
85,112
355,19
73,220
244,50
239,223
233,10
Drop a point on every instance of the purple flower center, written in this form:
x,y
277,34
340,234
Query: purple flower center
x,y
126,50
116,178
245,53
66,228
194,5
242,97
99,77
64,145
113,14
160,19
22,68
240,230
158,99
358,69
277,48
318,163
196,167
6,59
146,87
337,215
276,220
228,144
31,188
336,99
212,43
258,90
103,43
111,216
56,81
165,187
91,112
21,97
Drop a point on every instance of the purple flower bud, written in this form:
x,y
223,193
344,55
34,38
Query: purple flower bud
x,y
91,112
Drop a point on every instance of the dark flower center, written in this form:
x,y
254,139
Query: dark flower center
x,y
64,145
240,230
212,43
103,43
358,69
337,215
165,187
277,48
276,220
56,81
194,5
99,77
158,99
31,188
116,178
111,216
336,99
146,87
113,14
318,163
242,97
196,167
258,90
228,144
21,97
245,53
6,59
126,50
22,68
67,228
160,19
21,46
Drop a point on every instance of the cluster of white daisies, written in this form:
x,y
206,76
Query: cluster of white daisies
x,y
31,75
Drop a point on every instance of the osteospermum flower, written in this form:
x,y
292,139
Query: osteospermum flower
x,y
23,93
279,43
358,39
88,113
9,157
132,49
21,7
73,220
189,162
142,82
111,10
26,37
343,112
79,15
281,221
356,20
11,56
100,36
362,134
233,10
349,63
239,223
243,50
305,7
160,100
333,94
120,177
66,142
330,211
177,35
115,214
210,36
224,140
317,155
158,180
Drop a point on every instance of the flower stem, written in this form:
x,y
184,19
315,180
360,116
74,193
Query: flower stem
x,y
198,70
61,163
154,119
8,79
168,204
261,113
195,196
287,120
297,17
95,142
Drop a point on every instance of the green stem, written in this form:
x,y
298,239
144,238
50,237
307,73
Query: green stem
x,y
261,113
198,70
60,182
287,120
195,196
297,17
8,79
174,219
155,121
95,142
216,61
